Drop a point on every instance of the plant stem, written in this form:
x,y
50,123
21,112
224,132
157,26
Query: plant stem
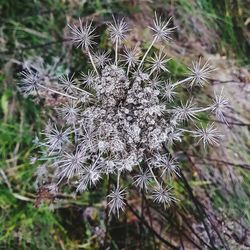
x,y
79,89
116,51
145,55
92,61
57,92
118,178
198,206
202,110
151,228
157,182
128,69
182,81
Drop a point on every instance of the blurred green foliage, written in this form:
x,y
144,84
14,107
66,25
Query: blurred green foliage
x,y
226,18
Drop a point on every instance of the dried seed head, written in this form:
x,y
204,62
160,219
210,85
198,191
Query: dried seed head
x,y
120,119
199,73
220,106
30,83
68,83
89,79
169,92
142,180
101,58
117,30
70,112
89,177
208,135
83,36
116,202
56,139
161,29
131,56
158,63
70,165
186,111
166,163
163,196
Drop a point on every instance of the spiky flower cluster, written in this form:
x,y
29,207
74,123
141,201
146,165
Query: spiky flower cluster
x,y
121,119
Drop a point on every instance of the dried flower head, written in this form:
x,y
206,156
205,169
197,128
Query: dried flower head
x,y
161,28
101,58
131,57
186,111
55,139
163,196
142,180
83,35
68,83
158,63
220,106
121,119
168,91
208,135
116,202
70,165
199,75
117,30
70,112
